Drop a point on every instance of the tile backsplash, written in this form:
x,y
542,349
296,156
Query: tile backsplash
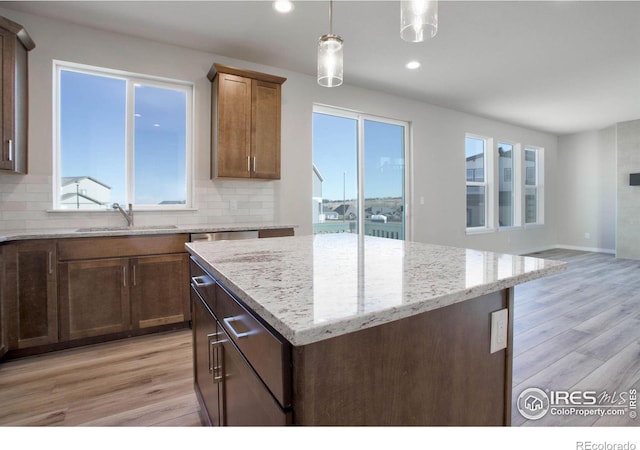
x,y
26,202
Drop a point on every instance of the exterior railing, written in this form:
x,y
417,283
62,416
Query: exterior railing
x,y
392,230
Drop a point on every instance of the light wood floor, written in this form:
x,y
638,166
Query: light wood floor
x,y
142,381
576,330
579,330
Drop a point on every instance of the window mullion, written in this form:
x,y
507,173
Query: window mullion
x,y
360,162
130,142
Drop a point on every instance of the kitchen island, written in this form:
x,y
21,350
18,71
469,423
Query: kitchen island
x,y
354,330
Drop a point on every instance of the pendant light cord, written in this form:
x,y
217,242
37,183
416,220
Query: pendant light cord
x,y
330,16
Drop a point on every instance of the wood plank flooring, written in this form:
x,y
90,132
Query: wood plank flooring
x,y
578,330
575,330
142,381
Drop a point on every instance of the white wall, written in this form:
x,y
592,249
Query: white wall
x,y
438,145
587,190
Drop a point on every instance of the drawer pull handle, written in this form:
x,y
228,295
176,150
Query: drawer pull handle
x,y
228,321
201,281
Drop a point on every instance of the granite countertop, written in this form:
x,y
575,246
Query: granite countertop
x,y
311,288
17,235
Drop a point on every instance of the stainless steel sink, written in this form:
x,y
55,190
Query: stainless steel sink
x,y
125,228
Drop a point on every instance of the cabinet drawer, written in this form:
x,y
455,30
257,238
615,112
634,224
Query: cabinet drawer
x,y
203,284
120,246
268,354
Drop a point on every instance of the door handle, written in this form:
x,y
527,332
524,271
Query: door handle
x,y
10,149
216,357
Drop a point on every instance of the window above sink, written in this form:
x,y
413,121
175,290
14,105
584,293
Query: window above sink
x,y
121,138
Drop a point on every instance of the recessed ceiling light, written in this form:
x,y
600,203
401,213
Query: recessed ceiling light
x,y
283,6
412,65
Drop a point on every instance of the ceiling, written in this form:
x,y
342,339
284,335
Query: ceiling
x,y
558,66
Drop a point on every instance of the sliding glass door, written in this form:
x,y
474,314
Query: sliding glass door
x,y
359,174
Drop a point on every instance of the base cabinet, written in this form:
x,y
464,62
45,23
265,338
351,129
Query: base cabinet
x,y
94,298
236,384
29,294
101,294
159,294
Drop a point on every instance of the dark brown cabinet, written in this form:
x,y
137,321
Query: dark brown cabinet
x,y
29,294
94,298
245,123
242,371
14,43
114,284
159,291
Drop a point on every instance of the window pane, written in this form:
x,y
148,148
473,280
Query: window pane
x,y
530,167
335,174
476,206
384,179
92,140
475,159
531,205
160,132
505,192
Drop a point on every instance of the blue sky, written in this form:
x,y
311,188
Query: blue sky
x,y
335,141
92,136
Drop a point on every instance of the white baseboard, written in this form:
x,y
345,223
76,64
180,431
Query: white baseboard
x,y
610,251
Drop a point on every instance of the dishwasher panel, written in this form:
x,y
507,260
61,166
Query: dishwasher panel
x,y
224,236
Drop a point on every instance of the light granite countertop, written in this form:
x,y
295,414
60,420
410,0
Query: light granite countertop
x,y
17,235
310,288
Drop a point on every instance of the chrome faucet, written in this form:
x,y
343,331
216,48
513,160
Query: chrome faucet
x,y
127,214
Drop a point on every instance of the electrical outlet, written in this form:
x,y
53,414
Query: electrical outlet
x,y
499,329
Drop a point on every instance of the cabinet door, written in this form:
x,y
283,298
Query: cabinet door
x,y
30,294
94,297
233,126
3,327
7,44
204,357
160,290
246,401
265,130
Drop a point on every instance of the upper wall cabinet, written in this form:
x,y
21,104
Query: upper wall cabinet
x,y
15,43
245,123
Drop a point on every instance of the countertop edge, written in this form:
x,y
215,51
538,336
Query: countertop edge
x,y
344,326
23,235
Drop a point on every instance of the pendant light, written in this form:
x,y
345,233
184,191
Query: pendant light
x,y
418,19
330,58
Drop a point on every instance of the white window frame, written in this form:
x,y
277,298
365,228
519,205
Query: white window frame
x,y
516,182
408,150
131,79
539,186
489,163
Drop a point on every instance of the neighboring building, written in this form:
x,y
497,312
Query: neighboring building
x,y
329,214
345,211
84,193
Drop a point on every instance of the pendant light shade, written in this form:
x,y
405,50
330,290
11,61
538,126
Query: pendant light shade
x,y
330,58
418,19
